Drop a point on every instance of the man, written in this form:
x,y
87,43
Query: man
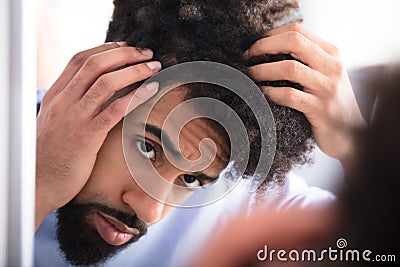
x,y
81,167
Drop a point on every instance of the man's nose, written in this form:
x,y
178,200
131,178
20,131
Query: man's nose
x,y
150,206
147,209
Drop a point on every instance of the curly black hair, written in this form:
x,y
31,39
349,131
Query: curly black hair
x,y
191,30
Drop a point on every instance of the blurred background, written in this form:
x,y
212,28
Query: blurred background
x,y
364,31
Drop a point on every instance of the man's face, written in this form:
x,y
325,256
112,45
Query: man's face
x,y
112,210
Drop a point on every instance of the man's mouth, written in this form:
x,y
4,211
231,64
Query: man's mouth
x,y
113,231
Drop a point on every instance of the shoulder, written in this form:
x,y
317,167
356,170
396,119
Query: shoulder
x,y
294,193
301,195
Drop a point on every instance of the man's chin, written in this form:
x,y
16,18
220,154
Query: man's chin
x,y
80,241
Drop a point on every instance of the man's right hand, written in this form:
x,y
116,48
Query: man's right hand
x,y
72,126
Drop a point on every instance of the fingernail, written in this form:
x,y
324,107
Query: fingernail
x,y
152,87
121,43
246,54
154,65
145,51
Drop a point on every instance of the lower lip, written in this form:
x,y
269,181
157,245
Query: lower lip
x,y
109,233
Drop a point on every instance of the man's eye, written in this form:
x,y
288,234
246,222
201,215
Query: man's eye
x,y
190,181
146,149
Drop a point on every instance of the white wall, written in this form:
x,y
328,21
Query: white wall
x,y
67,27
366,31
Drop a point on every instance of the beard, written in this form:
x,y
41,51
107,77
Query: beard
x,y
78,237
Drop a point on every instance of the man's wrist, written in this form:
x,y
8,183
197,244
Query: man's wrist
x,y
41,209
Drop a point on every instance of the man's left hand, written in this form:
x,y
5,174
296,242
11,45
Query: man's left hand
x,y
327,100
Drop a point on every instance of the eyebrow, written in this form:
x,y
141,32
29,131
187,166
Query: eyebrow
x,y
204,177
168,145
166,141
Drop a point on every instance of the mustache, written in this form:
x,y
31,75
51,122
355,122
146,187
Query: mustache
x,y
130,220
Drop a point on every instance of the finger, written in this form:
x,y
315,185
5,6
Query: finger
x,y
140,96
107,84
111,115
101,63
298,46
291,70
297,27
76,63
292,98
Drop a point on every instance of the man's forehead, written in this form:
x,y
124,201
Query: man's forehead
x,y
158,111
159,106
